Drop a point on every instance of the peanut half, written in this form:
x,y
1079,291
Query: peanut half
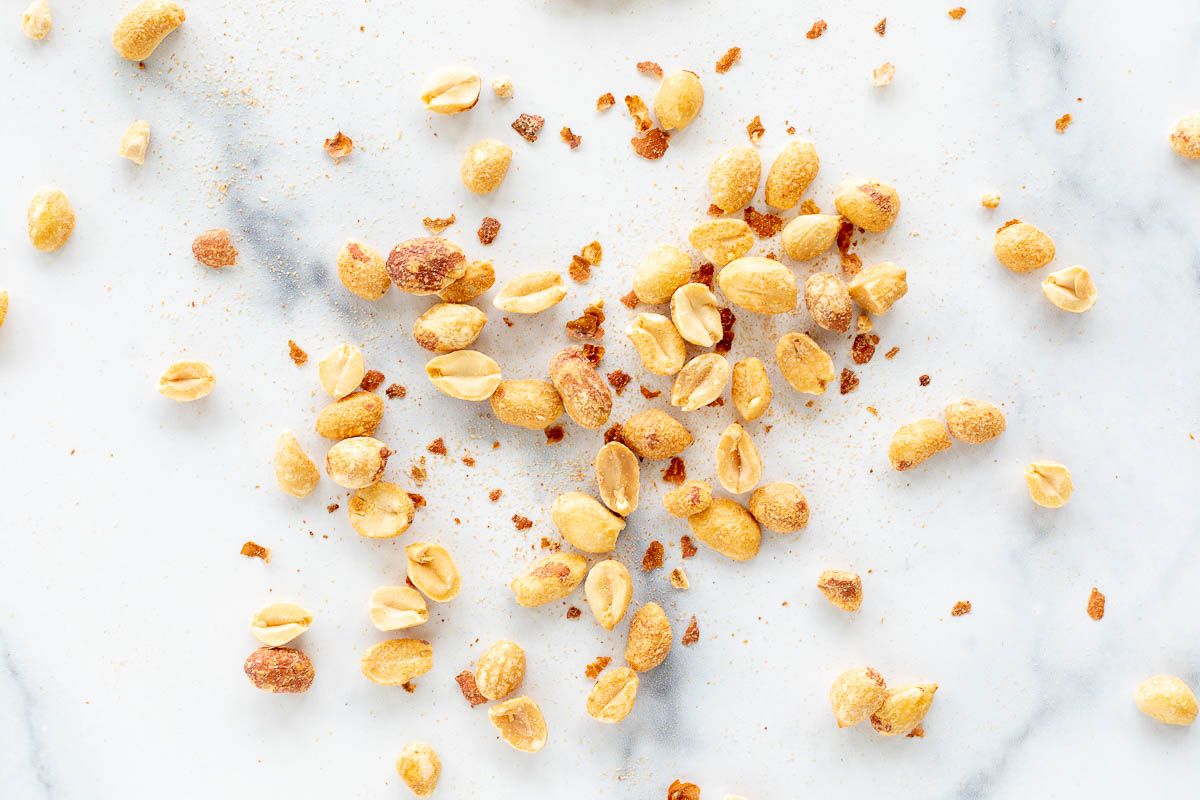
x,y
485,165
903,709
419,767
395,662
655,434
341,370
145,26
779,507
1166,699
739,467
662,271
727,528
870,204
531,293
916,441
809,235
464,374
552,578
700,382
608,590
828,301
842,589
500,670
790,174
295,472
51,219
974,421
856,694
613,696
394,608
690,497
451,90
877,288
277,624
585,523
426,265
1070,289
1023,247
363,271
585,395
279,670
679,99
1185,136
447,327
356,462
804,365
477,279
734,178
658,343
1049,483
722,240
618,477
381,511
751,389
520,723
531,404
696,315
433,571
356,414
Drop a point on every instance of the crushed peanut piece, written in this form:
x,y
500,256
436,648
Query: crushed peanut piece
x,y
818,28
849,381
679,578
676,471
881,27
489,228
764,225
1062,123
572,139
679,790
255,550
395,391
648,393
298,356
755,130
554,434
883,74
639,112
339,146
589,325
593,670
960,608
619,379
1095,604
686,547
437,447
529,126
651,145
863,348
372,379
726,62
652,559
957,13
436,225
521,523
605,101
650,68
573,612
990,200
692,634
466,684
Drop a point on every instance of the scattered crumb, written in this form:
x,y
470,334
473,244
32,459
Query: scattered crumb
x,y
651,145
466,684
605,101
957,13
529,126
916,733
881,26
890,354
546,544
648,393
570,137
573,612
339,146
297,355
809,207
395,391
436,225
489,229
1062,123
639,113
554,434
686,547
408,686
679,578
372,380
883,74
630,300
494,494
849,381
468,461
437,447
676,471
580,270
418,474
851,263
255,550
592,253
726,343
863,348
650,68
652,559
332,507
589,325
755,130
619,379
960,608
593,353
923,380
764,225
593,670
715,210
817,29
521,523
732,56
1095,605
692,634
704,274
615,434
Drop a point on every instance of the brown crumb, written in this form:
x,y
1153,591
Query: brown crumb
x,y
680,790
588,326
494,494
791,130
678,578
297,355
408,686
593,353
809,207
916,733
605,101
619,379
873,411
957,13
372,380
647,393
256,550
436,225
1095,606
418,499
650,68
881,26
630,300
339,146
572,139
849,381
592,253
890,354
726,62
652,559
529,126
437,446
755,130
960,608
615,434
715,210
764,225
466,684
1062,123
923,380
686,547
573,612
851,263
546,544
395,392
863,348
593,670
521,523
489,229
718,403
580,270
817,29
468,461
692,634
676,471
639,113
727,320
417,473
704,274
332,507
651,145
554,434
508,322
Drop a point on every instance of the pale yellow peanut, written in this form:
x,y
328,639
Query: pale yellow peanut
x,y
842,589
381,511
356,462
608,590
696,315
50,220
356,414
734,178
36,20
363,271
758,284
1185,136
395,662
679,99
528,403
739,466
585,523
804,365
531,293
464,374
585,395
341,370
145,26
658,343
520,723
552,578
1071,289
903,709
185,381
974,421
1166,699
751,388
277,624
915,442
613,696
661,272
485,165
394,608
477,278
447,327
135,141
790,174
690,497
618,477
1049,483
870,204
722,240
810,235
295,472
419,767
701,381
1023,247
855,695
649,638
500,670
450,90
727,528
828,301
655,434
779,507
878,287
433,571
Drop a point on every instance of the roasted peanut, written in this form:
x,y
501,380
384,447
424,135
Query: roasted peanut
x,y
279,670
135,141
36,20
870,204
727,528
395,608
1070,289
1185,137
751,388
722,240
804,365
658,343
649,638
1022,247
531,404
779,507
464,374
478,278
790,174
419,767
426,265
809,235
739,466
485,165
142,30
679,99
758,284
356,462
51,220
450,90
701,381
585,395
395,662
662,271
341,370
531,293
447,327
433,571
1049,483
381,511
618,476
655,434
295,472
842,589
585,523
916,441
608,590
363,271
500,670
856,694
696,315
690,497
903,709
277,624
356,414
828,301
878,287
185,381
734,178
1166,699
520,723
974,421
612,698
552,578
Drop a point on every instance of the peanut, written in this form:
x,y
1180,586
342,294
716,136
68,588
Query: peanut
x,y
51,220
828,301
856,694
477,279
485,165
779,507
1049,483
916,441
135,141
585,395
618,477
141,30
878,287
419,767
185,381
679,99
758,284
464,374
734,178
1070,289
450,90
649,638
531,293
426,265
804,365
279,670
809,235
1185,137
722,240
341,370
903,709
1022,247
608,590
277,624
612,698
433,571
520,723
356,414
500,670
295,472
701,381
363,271
585,523
696,315
658,343
842,589
790,174
531,404
974,421
662,271
447,327
395,662
739,466
395,608
727,528
868,203
655,434
1166,699
552,578
751,388
381,511
690,497
356,462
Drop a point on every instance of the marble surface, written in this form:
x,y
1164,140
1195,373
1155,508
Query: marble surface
x,y
124,602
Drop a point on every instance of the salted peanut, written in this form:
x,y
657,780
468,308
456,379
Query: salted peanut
x,y
426,265
277,624
696,315
356,462
722,240
810,235
608,590
727,528
433,571
464,374
447,327
751,388
1022,247
758,284
700,382
878,287
1185,137
485,165
804,365
520,723
295,472
974,421
356,414
500,670
528,403
843,589
585,523
135,141
779,507
531,293
395,662
363,271
649,638
612,698
658,343
690,497
828,301
739,466
51,220
185,381
419,767
734,178
917,441
662,271
1070,289
142,30
870,204
279,670
215,248
618,477
503,87
855,695
790,174
341,370
450,90
903,709
585,395
1049,483
36,20
552,578
655,434
478,278
381,511
395,608
679,99
1166,699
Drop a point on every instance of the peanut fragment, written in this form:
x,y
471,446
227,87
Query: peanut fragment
x,y
649,638
722,240
696,315
1023,247
1185,137
855,695
531,404
608,590
520,723
419,767
433,571
903,709
658,343
451,90
842,589
974,421
751,389
142,30
277,624
552,578
381,511
464,374
585,395
50,220
662,271
185,381
395,662
363,271
295,472
679,99
477,279
790,174
1070,289
612,698
135,141
701,381
739,466
916,441
878,287
394,608
618,477
691,497
734,178
585,523
828,301
1166,699
655,434
341,370
727,528
779,507
805,366
1049,483
810,235
531,293
758,284
870,204
500,670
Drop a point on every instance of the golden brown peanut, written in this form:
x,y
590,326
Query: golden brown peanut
x,y
433,571
520,723
356,462
917,441
618,476
608,590
419,767
395,608
51,220
464,374
903,709
658,343
277,624
649,638
500,670
477,279
1166,699
739,466
485,165
426,265
751,388
828,301
395,662
870,204
758,284
804,365
1022,247
734,178
531,293
141,30
1070,289
36,20
727,528
655,434
779,507
531,404
363,271
701,381
381,511
878,287
279,670
1185,137
215,248
1049,483
585,395
690,497
447,327
855,695
810,235
295,472
356,414
842,589
679,99
696,316
790,174
612,698
585,523
974,421
341,370
552,578
450,90
722,240
662,271
135,141
185,381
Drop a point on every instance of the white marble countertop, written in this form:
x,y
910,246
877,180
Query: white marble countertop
x,y
124,602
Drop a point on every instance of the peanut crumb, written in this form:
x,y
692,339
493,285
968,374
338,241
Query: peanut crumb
x,y
990,200
764,225
704,274
960,608
883,74
489,229
605,101
580,270
651,145
652,559
890,354
863,348
297,355
255,550
618,379
732,56
676,471
521,523
809,207
679,578
630,300
849,381
650,68
436,225
573,612
466,685
686,547
916,733
1095,605
692,634
395,391
1062,123
468,461
881,27
554,434
819,27
715,210
437,447
529,126
649,393
332,507
339,146
593,670
588,326
923,380
726,343
957,13
418,499
495,494
755,130
572,139
372,380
